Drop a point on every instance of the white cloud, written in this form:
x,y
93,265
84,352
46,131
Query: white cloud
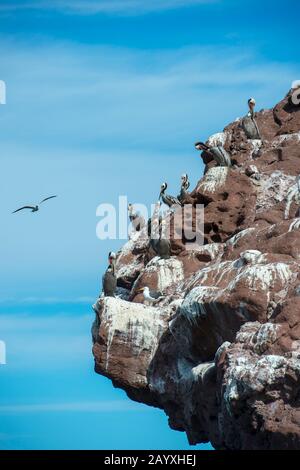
x,y
108,406
90,7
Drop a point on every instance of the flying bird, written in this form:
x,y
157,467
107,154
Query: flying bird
x,y
34,208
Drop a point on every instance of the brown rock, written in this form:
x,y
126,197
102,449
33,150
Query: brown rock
x,y
220,352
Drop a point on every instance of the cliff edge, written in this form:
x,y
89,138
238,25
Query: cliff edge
x,y
220,352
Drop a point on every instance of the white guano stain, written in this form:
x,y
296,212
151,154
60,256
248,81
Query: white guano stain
x,y
278,140
258,277
237,237
214,179
217,139
295,225
256,144
136,324
169,272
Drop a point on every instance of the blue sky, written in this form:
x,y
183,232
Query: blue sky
x,y
106,98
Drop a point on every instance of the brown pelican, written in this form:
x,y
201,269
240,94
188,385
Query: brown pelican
x,y
161,246
109,280
34,208
251,104
166,198
185,184
136,219
249,124
218,153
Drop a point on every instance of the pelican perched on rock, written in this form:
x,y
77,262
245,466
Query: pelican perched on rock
x,y
159,239
135,218
218,153
185,184
163,248
151,296
161,245
166,198
109,280
36,207
249,124
251,104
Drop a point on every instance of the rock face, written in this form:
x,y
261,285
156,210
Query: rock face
x,y
220,352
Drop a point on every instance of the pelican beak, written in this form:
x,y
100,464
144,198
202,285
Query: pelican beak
x,y
140,290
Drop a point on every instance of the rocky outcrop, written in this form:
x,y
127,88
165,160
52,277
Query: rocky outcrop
x,y
220,352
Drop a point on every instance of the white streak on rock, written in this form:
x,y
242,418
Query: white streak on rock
x,y
264,276
256,145
248,376
273,189
235,239
193,305
251,256
217,139
277,141
136,324
257,277
295,225
214,250
214,179
293,195
199,371
259,337
129,269
169,271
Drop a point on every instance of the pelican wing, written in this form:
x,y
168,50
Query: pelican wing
x,y
24,207
155,294
47,198
174,200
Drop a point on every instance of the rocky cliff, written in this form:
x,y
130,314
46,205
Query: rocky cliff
x,y
220,352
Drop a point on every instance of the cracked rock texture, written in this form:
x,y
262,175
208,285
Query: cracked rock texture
x,y
220,352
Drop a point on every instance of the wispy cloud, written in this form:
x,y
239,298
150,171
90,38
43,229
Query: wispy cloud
x,y
44,326
108,406
149,98
53,341
90,7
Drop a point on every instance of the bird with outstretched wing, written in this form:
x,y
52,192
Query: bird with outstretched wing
x,y
47,199
25,207
34,208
